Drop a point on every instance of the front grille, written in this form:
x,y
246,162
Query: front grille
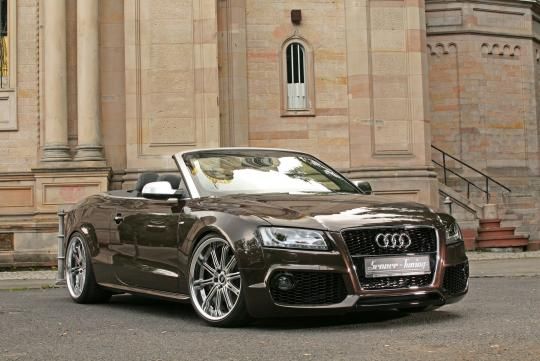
x,y
362,241
381,283
312,288
456,277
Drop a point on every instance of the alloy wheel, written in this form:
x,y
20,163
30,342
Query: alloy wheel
x,y
214,281
76,267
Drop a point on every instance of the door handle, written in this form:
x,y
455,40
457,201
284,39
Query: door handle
x,y
118,218
155,227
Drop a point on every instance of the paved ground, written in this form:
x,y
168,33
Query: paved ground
x,y
498,320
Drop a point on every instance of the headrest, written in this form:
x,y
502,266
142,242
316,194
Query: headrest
x,y
173,179
144,179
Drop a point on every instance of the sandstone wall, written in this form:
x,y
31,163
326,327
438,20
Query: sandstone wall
x,y
183,74
484,99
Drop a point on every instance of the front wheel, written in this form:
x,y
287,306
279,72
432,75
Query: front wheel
x,y
80,279
215,283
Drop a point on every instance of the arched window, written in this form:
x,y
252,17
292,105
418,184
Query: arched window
x,y
297,78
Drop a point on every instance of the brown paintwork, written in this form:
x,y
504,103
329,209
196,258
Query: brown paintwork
x,y
148,252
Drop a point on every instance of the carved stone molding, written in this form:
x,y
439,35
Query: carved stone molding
x,y
439,49
502,50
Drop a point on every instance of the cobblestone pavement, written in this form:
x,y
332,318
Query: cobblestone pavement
x,y
498,320
27,275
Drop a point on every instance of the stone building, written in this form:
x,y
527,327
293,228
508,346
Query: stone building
x,y
484,79
94,92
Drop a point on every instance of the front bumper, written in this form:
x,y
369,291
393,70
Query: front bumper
x,y
327,269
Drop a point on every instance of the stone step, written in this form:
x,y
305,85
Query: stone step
x,y
521,205
502,241
510,216
490,223
469,237
514,224
490,232
533,246
496,237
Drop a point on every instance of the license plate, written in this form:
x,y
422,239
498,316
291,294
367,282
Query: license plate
x,y
396,266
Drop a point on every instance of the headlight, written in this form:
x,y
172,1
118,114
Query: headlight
x,y
292,238
453,233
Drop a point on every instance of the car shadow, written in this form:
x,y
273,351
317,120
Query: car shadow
x,y
153,306
364,320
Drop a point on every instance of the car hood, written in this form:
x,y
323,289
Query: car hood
x,y
325,211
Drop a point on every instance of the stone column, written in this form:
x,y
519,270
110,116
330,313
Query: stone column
x,y
55,68
88,93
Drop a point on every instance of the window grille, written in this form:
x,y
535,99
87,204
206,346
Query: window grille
x,y
296,77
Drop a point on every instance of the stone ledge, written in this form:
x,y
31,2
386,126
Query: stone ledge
x,y
482,256
406,172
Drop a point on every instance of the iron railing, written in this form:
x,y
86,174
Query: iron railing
x,y
486,179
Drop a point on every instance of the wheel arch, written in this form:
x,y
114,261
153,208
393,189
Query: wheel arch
x,y
88,232
248,250
205,231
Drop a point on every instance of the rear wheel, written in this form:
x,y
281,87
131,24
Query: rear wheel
x,y
215,283
80,279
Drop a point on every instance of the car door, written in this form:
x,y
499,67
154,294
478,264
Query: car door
x,y
147,233
101,221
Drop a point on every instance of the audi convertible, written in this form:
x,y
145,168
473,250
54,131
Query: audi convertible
x,y
247,233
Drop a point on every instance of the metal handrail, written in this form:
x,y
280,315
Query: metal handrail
x,y
458,203
469,183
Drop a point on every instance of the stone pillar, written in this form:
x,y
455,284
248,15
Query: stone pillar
x,y
56,134
88,93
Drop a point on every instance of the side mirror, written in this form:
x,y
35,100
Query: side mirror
x,y
364,186
160,190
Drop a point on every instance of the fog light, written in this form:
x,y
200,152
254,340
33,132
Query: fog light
x,y
284,281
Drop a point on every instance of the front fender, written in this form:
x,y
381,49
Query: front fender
x,y
240,231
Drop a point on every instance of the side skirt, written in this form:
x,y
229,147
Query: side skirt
x,y
146,292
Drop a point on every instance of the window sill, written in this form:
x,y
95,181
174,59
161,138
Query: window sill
x,y
298,113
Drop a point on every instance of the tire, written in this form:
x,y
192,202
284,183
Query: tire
x,y
80,278
216,287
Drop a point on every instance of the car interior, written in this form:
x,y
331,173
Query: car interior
x,y
144,179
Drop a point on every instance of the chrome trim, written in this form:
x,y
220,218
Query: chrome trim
x,y
164,294
180,154
348,302
186,175
406,226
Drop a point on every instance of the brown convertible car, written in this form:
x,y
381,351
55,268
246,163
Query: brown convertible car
x,y
247,232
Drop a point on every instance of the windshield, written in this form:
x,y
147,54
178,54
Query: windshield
x,y
221,172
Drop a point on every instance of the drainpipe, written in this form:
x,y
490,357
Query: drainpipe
x,y
60,276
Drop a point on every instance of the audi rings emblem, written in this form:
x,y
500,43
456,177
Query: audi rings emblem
x,y
393,240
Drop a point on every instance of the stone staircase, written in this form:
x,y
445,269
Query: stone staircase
x,y
482,226
505,223
492,235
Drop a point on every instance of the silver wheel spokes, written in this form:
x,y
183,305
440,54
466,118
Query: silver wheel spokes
x,y
215,279
76,267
